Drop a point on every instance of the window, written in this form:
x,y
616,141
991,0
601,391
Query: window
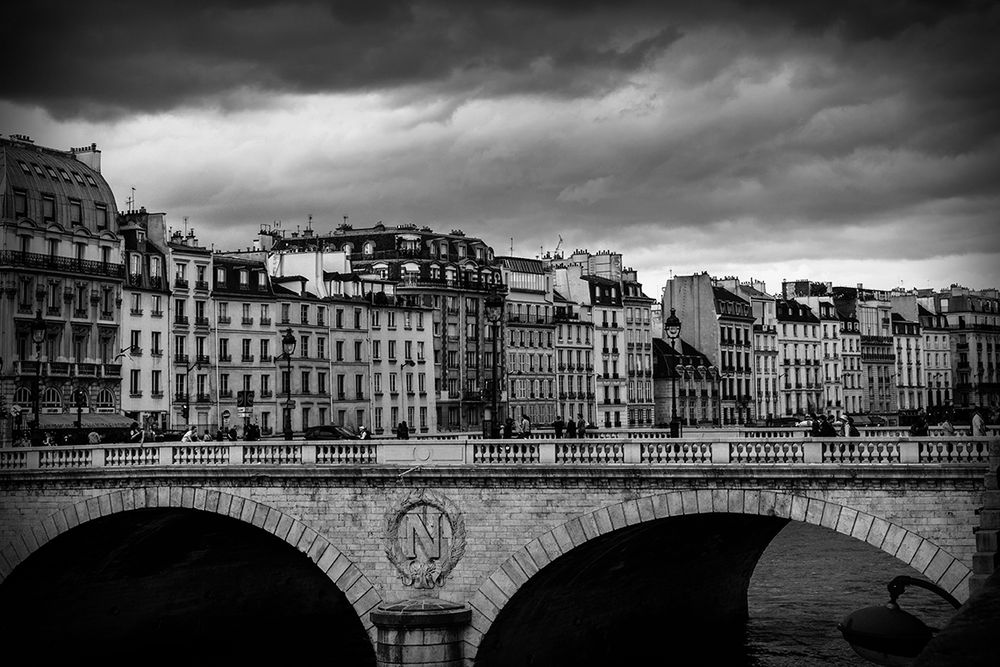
x,y
220,276
48,208
135,380
358,355
155,383
20,203
75,212
65,175
304,346
102,218
305,382
304,315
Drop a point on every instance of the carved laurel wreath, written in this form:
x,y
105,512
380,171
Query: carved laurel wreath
x,y
414,572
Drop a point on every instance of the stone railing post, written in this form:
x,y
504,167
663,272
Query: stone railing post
x,y
422,631
720,452
235,455
631,451
812,451
166,454
909,451
97,457
547,451
309,453
33,459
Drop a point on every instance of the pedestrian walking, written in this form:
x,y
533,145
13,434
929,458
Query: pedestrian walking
x,y
508,428
525,431
558,426
978,423
571,428
402,431
581,426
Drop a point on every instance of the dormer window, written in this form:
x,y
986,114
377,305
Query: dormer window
x,y
75,212
65,175
347,248
52,173
461,251
102,216
24,167
78,177
368,248
91,181
244,277
38,170
220,276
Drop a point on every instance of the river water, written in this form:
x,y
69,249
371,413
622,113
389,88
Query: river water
x,y
807,580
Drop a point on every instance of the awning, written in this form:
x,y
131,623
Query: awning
x,y
87,419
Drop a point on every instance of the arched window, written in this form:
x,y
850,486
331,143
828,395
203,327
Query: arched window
x,y
368,248
22,396
105,399
347,248
51,398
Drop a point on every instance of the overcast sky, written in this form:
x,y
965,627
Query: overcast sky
x,y
838,141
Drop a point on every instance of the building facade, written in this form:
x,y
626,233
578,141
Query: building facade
x,y
145,327
62,274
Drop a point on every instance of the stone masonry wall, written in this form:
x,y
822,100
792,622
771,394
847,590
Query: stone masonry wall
x,y
516,519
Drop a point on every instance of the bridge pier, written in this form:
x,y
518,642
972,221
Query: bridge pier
x,y
421,631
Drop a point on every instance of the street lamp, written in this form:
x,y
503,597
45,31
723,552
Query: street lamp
x,y
494,313
887,635
38,336
287,348
672,329
79,399
186,406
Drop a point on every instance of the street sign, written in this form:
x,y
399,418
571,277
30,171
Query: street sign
x,y
245,412
15,410
226,414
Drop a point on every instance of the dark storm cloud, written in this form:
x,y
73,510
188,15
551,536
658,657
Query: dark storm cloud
x,y
110,58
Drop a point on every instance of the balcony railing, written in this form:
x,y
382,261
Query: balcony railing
x,y
201,284
181,320
247,321
201,321
180,283
247,358
36,260
225,319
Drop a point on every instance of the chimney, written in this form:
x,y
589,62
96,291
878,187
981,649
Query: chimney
x,y
89,155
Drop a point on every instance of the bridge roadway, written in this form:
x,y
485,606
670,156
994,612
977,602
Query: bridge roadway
x,y
444,548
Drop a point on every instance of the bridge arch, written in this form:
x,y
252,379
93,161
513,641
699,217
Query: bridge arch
x,y
336,565
905,545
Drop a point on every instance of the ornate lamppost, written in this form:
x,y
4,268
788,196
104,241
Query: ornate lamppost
x,y
38,337
494,313
287,348
887,635
672,329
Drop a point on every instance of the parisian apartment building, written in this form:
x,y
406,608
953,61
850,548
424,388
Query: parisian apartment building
x,y
111,316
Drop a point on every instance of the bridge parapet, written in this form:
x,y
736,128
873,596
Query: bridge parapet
x,y
469,451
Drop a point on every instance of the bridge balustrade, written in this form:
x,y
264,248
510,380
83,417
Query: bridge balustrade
x,y
864,451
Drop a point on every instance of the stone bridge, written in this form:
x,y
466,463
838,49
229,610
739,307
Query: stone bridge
x,y
464,551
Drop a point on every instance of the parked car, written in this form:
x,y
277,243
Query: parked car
x,y
329,432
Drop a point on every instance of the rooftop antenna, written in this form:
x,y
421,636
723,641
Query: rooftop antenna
x,y
309,224
345,219
511,246
131,200
185,225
